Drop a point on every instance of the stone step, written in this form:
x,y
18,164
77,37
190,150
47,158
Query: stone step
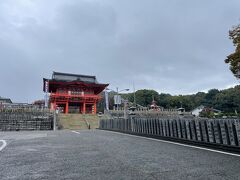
x,y
78,121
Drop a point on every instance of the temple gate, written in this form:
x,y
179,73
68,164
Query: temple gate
x,y
73,93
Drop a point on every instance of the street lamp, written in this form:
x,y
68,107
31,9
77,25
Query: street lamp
x,y
118,95
118,91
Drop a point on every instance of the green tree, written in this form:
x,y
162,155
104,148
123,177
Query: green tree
x,y
207,113
227,100
210,97
234,59
164,100
198,99
144,97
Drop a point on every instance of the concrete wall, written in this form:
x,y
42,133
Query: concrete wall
x,y
215,131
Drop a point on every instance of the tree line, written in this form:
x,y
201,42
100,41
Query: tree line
x,y
227,100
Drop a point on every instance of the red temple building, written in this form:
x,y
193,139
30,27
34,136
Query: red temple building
x,y
73,93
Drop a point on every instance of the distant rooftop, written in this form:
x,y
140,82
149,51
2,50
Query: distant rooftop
x,y
59,76
5,100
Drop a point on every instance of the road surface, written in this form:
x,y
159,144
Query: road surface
x,y
96,154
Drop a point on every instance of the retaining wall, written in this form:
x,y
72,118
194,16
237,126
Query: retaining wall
x,y
211,131
26,120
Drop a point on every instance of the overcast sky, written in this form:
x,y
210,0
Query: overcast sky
x,y
176,46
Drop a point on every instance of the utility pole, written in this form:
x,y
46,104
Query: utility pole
x,y
117,99
46,93
134,95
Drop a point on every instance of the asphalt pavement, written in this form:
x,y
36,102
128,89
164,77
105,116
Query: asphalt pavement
x,y
96,154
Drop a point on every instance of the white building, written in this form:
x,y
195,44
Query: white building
x,y
197,110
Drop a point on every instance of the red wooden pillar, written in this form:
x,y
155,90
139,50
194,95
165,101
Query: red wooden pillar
x,y
95,107
66,109
54,105
84,107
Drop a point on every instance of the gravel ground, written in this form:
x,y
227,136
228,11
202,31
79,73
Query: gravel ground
x,y
96,154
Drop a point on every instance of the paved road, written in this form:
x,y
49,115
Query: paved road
x,y
106,155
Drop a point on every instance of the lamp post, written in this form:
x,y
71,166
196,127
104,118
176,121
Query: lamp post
x,y
118,91
118,95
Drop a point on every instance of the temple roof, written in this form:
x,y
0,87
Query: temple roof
x,y
72,80
73,77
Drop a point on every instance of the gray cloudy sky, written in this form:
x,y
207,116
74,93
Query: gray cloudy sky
x,y
176,46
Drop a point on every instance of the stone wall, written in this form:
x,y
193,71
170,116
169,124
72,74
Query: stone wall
x,y
15,120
